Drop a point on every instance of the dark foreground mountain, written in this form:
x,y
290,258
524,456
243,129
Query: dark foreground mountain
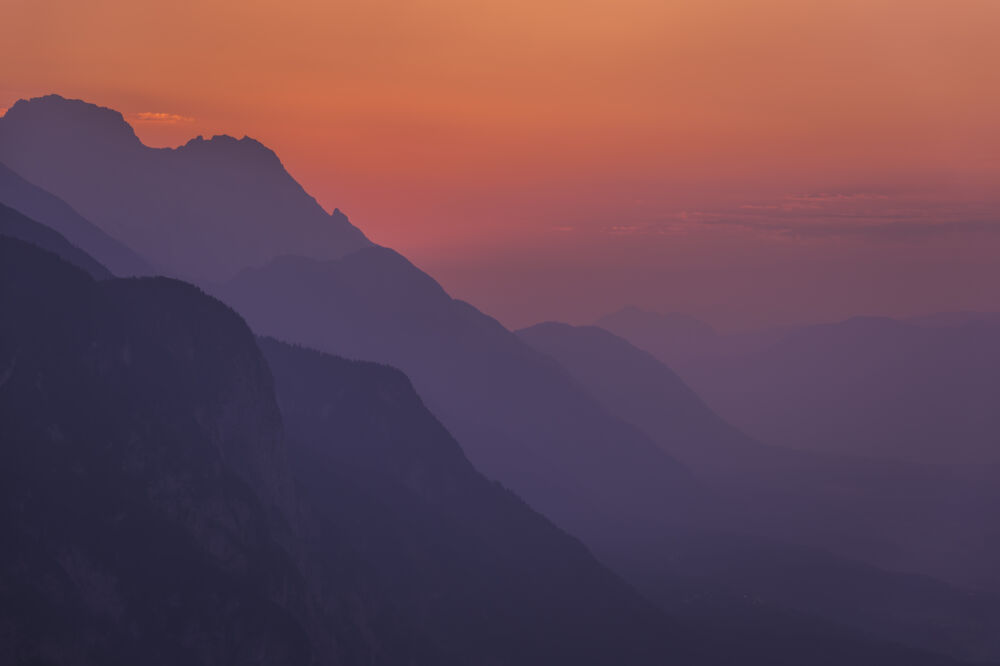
x,y
151,514
861,509
56,214
203,210
142,475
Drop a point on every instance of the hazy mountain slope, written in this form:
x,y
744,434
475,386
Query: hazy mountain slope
x,y
670,336
520,418
212,207
16,225
203,210
641,390
678,339
489,579
870,386
56,214
856,507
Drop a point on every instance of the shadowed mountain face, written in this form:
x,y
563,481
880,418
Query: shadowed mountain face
x,y
141,474
488,578
203,210
56,214
521,419
161,519
865,510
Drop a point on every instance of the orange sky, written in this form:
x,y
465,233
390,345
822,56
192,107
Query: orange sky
x,y
520,149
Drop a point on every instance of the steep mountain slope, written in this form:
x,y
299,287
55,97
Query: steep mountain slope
x,y
520,418
203,210
644,392
784,494
56,214
16,225
141,478
152,514
488,578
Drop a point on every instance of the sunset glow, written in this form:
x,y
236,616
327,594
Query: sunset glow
x,y
627,144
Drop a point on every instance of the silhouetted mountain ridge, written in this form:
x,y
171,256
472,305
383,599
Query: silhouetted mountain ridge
x,y
204,210
16,225
51,211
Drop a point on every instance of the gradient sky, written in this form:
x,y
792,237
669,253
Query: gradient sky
x,y
747,161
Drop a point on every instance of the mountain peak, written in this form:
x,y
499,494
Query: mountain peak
x,y
61,116
225,146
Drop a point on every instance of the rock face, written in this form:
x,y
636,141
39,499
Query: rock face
x,y
142,478
201,211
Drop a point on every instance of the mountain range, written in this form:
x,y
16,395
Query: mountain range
x,y
922,389
382,530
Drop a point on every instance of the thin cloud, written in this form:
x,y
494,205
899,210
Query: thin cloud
x,y
162,118
872,216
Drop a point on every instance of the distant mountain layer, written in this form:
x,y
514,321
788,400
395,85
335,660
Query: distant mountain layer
x,y
670,336
871,386
855,508
644,392
203,210
16,225
51,211
923,389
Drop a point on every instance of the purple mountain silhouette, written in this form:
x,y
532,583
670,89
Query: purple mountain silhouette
x,y
55,213
204,210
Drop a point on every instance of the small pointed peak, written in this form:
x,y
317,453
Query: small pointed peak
x,y
339,216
